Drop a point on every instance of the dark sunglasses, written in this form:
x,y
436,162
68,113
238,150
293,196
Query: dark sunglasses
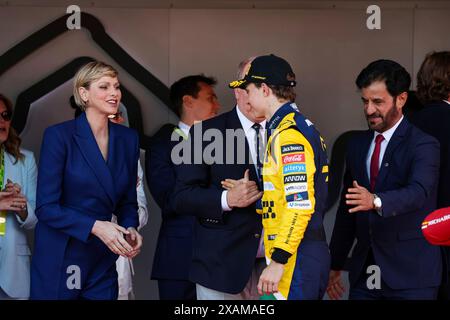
x,y
6,115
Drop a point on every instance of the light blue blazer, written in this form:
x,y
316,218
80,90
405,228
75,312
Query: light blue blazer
x,y
14,250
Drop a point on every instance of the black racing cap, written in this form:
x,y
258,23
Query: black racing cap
x,y
269,69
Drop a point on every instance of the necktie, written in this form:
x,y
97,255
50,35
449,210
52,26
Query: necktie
x,y
375,162
258,149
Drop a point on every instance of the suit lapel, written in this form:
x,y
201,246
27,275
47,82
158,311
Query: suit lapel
x,y
395,141
9,169
113,144
88,147
362,158
114,152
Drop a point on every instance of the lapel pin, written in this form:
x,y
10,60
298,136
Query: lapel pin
x,y
386,164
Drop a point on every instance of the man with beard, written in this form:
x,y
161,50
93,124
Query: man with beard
x,y
390,185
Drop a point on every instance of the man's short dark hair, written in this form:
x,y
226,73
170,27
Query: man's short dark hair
x,y
187,86
433,78
396,78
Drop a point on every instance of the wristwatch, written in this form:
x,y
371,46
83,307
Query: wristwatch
x,y
377,203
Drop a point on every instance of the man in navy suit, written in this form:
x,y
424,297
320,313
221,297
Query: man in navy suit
x,y
227,230
193,99
433,89
390,186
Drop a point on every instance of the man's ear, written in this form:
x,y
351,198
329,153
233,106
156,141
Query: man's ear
x,y
266,89
401,100
187,101
236,93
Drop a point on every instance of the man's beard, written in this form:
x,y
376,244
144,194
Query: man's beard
x,y
387,121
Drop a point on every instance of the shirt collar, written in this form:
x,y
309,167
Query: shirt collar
x,y
389,133
448,102
245,122
184,127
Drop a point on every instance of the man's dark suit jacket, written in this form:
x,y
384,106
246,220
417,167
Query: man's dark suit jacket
x,y
225,243
174,249
434,119
407,186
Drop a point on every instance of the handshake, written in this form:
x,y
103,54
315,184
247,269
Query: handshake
x,y
241,193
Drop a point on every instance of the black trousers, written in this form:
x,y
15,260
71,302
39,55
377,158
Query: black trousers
x,y
176,290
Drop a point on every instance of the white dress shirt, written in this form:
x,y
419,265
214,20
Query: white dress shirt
x,y
250,134
184,127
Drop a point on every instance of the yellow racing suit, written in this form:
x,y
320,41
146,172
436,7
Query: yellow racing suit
x,y
295,176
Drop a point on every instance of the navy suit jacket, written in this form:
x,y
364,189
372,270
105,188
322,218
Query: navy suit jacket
x,y
174,249
225,243
76,187
407,186
434,119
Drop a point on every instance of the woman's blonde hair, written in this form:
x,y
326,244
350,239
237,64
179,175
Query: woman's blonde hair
x,y
12,143
87,74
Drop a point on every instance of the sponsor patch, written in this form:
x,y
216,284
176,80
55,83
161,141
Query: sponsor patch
x,y
289,148
294,178
299,205
290,168
268,186
294,106
295,187
295,157
426,224
299,196
268,210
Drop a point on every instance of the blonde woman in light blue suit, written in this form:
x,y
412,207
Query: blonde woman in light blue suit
x,y
17,203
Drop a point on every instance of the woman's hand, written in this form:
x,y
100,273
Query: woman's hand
x,y
13,187
135,240
4,195
112,236
12,202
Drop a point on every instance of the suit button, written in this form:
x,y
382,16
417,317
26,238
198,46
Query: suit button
x,y
257,235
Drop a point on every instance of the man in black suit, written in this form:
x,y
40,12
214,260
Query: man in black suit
x,y
193,99
227,236
390,186
433,89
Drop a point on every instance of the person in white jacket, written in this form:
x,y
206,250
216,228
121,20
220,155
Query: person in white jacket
x,y
124,265
18,175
